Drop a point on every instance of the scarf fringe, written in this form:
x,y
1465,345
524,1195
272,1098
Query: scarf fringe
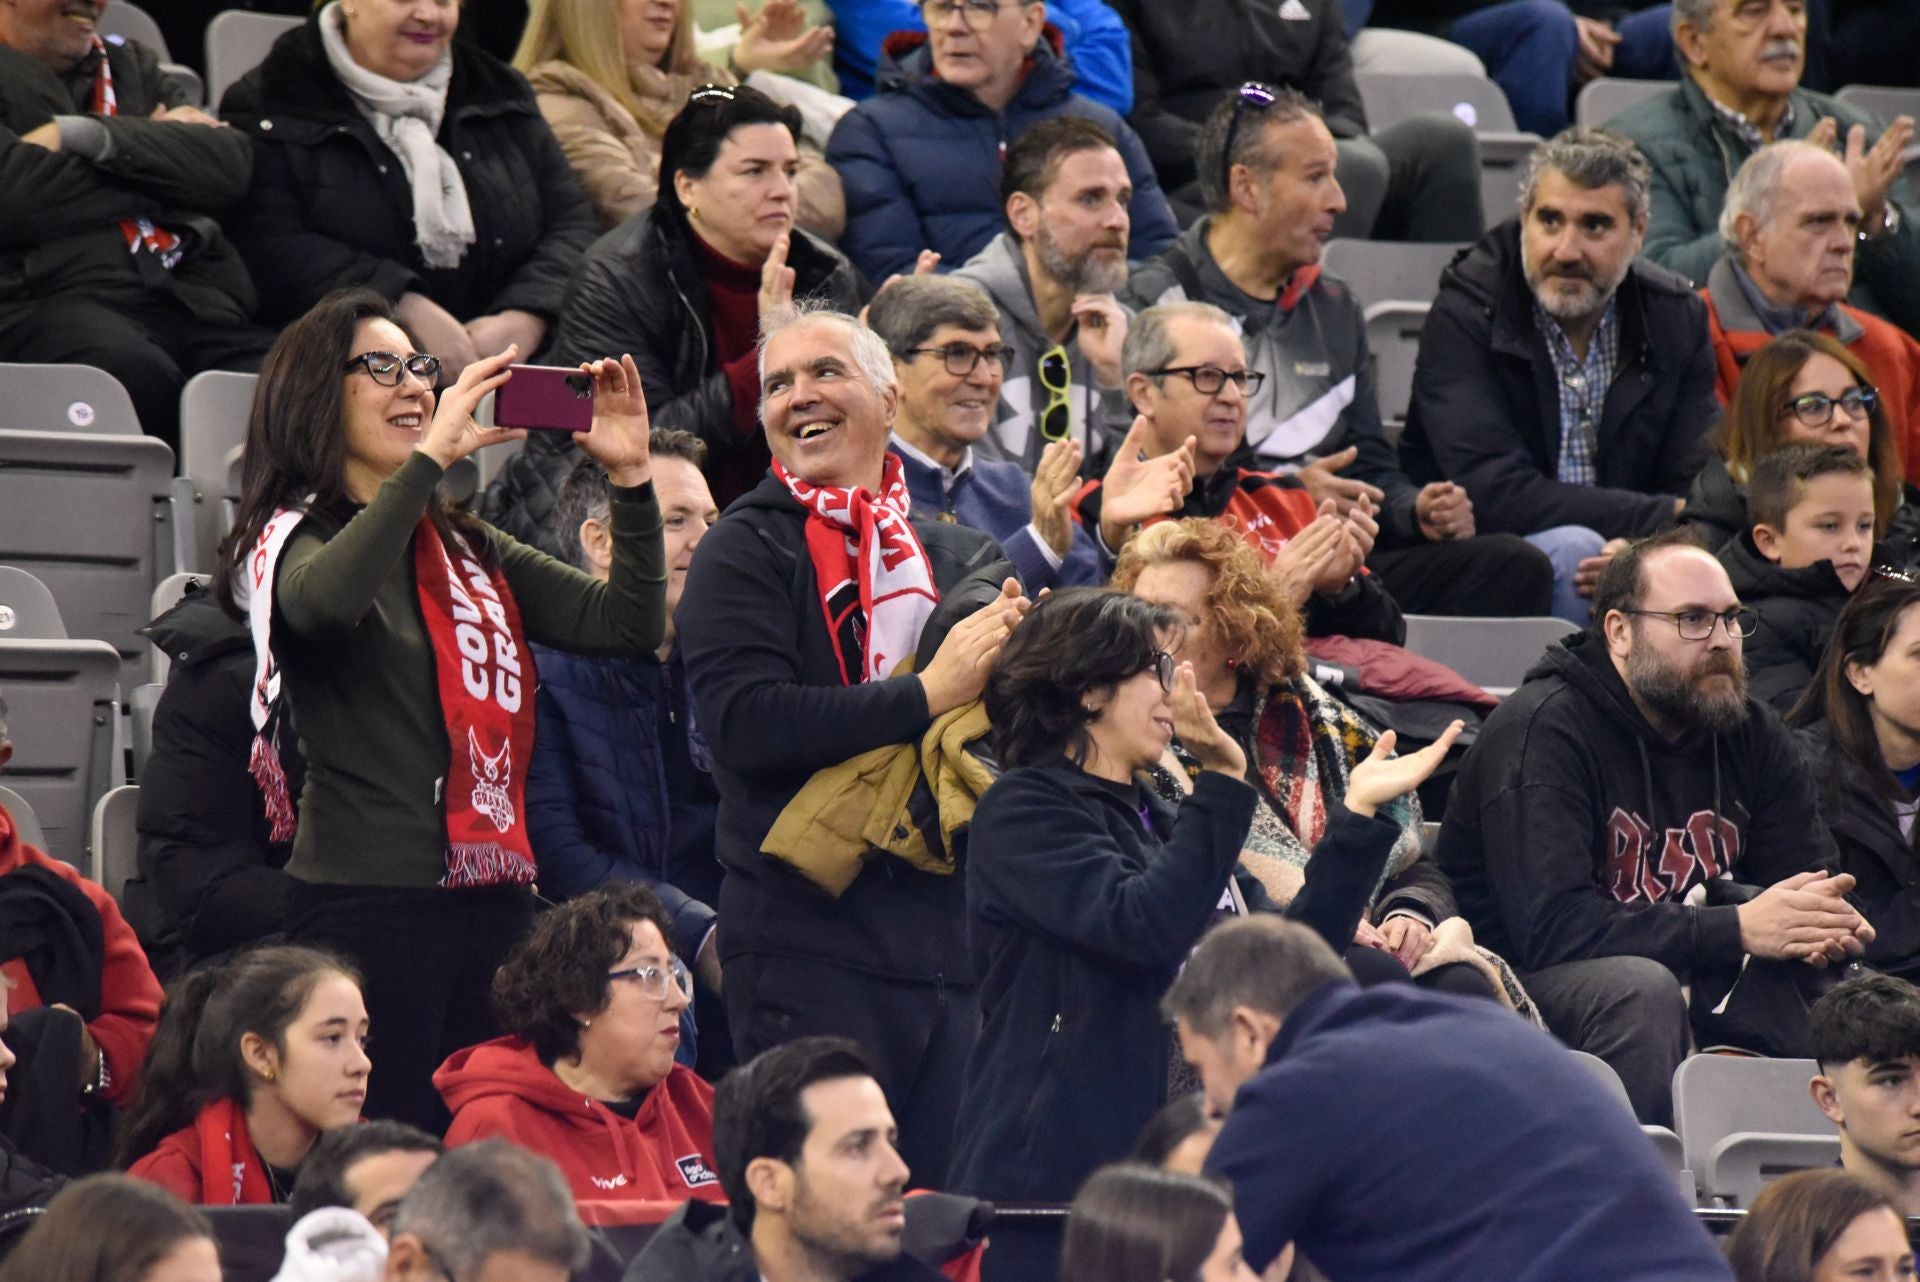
x,y
487,863
263,763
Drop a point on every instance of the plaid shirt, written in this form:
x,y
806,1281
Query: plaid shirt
x,y
1583,392
1748,131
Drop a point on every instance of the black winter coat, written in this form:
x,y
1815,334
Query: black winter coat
x,y
640,290
1884,864
767,696
60,212
700,1242
1798,610
331,206
1717,510
1486,406
205,845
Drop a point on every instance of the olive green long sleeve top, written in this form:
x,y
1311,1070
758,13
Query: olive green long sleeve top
x,y
358,668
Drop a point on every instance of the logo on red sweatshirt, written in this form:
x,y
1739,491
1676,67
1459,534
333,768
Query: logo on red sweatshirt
x,y
695,1171
1642,868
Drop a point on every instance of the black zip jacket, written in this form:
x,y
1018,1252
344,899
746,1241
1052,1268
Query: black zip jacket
x,y
1884,864
767,696
1575,829
700,1242
640,290
1486,403
1798,610
331,206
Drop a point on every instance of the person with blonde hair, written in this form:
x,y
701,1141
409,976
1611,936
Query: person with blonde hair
x,y
610,75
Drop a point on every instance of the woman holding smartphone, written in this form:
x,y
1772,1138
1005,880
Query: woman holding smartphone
x,y
390,632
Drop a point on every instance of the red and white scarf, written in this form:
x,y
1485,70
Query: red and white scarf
x,y
875,581
231,1172
140,233
485,680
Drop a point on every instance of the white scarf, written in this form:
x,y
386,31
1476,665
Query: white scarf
x,y
406,115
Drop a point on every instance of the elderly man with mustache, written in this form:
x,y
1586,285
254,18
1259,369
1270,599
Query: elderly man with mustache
x,y
1630,820
1743,61
1566,385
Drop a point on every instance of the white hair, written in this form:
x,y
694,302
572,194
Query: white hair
x,y
869,350
1754,188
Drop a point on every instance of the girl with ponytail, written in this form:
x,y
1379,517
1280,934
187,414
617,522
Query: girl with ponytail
x,y
251,1062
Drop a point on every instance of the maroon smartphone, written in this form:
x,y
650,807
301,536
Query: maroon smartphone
x,y
545,398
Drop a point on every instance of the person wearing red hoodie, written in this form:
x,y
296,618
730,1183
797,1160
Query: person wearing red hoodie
x,y
586,1077
122,1008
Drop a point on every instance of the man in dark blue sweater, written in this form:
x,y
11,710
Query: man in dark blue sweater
x,y
1391,1132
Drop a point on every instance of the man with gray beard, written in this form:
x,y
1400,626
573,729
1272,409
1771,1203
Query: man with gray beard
x,y
1052,276
1630,821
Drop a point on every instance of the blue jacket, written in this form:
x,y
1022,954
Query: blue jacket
x,y
1096,40
921,161
995,497
612,797
1397,1133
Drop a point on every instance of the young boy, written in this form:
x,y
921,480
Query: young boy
x,y
1808,545
1865,1036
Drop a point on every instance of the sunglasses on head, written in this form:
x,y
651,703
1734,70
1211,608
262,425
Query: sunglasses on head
x,y
1252,96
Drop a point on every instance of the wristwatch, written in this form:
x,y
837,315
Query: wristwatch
x,y
1889,224
102,1079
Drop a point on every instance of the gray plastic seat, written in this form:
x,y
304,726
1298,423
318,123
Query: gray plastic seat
x,y
1664,1141
1494,654
62,697
26,824
237,42
1744,1121
1393,336
27,609
65,398
1380,271
116,839
214,408
140,706
1599,101
1474,100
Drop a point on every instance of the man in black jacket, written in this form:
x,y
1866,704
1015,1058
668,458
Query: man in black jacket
x,y
1629,770
780,694
110,188
1566,384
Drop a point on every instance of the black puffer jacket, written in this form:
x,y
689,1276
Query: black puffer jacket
x,y
1798,610
1717,511
640,290
331,206
204,839
1884,864
60,211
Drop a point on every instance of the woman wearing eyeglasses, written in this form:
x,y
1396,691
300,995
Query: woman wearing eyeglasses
x,y
1859,728
1803,387
591,1003
685,286
390,633
1086,890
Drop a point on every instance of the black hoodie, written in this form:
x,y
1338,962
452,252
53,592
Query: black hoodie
x,y
1550,836
1798,611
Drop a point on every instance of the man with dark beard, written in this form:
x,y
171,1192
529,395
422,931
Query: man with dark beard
x,y
1052,276
1630,770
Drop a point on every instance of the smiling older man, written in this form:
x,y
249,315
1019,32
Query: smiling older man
x,y
799,606
1742,61
1790,227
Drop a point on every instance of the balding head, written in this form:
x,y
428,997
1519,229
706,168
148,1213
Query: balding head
x,y
1791,220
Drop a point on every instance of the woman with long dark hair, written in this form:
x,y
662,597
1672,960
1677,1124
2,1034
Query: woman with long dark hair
x,y
686,285
108,1228
1859,728
1136,1223
391,633
252,1062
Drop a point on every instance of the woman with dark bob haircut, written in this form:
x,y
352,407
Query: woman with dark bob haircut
x,y
1802,388
1086,890
112,1228
1820,1226
392,628
1859,727
687,285
1135,1223
586,1076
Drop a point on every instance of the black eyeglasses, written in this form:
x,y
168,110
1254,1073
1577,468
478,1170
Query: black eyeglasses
x,y
1815,409
1056,376
979,14
1252,96
962,358
384,367
1163,668
1697,625
1211,380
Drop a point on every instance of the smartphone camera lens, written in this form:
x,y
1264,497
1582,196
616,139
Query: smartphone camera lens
x,y
581,386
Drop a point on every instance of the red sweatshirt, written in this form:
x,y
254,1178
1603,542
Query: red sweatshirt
x,y
211,1162
665,1154
129,993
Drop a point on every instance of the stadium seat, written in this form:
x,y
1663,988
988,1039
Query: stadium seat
x,y
1494,654
214,407
64,718
65,398
1665,1141
237,42
141,704
165,597
27,608
116,840
1384,271
1475,100
1745,1121
123,18
1599,101
1887,102
26,825
1393,335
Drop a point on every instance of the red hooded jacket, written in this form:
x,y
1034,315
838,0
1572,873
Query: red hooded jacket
x,y
129,993
664,1154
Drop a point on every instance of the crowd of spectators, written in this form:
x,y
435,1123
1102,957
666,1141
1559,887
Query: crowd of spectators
x,y
945,723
